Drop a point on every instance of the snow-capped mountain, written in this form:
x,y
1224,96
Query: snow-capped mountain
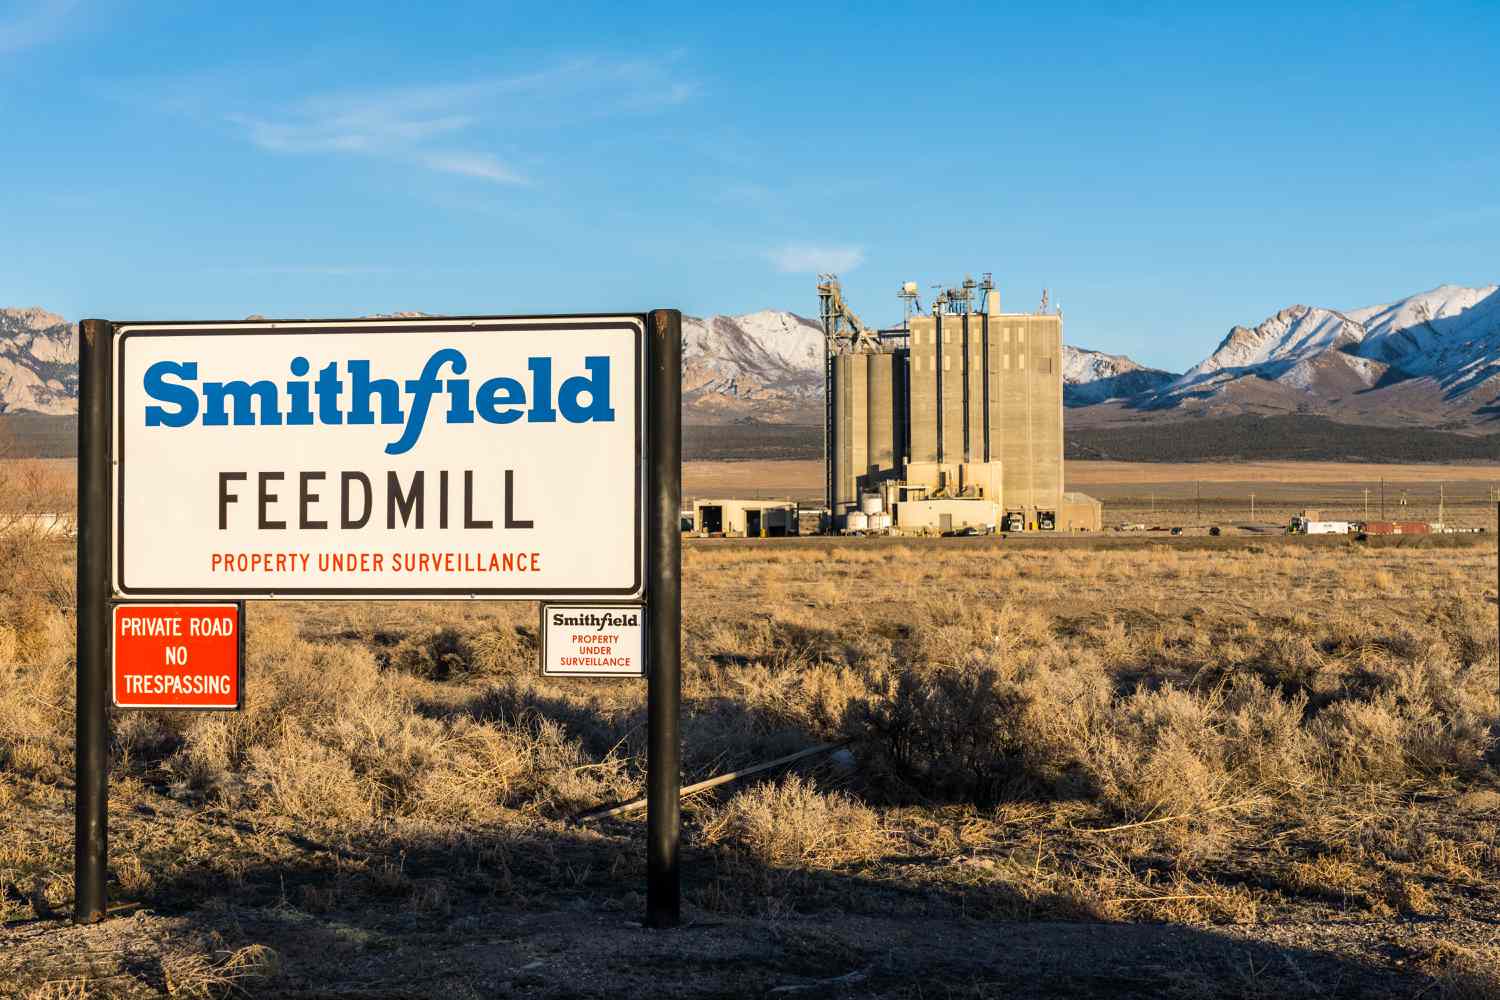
x,y
38,362
769,365
765,365
769,345
1427,358
1095,377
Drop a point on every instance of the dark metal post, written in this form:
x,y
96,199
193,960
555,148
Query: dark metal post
x,y
664,618
90,747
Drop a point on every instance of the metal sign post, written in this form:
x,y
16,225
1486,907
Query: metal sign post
x,y
91,737
502,457
664,620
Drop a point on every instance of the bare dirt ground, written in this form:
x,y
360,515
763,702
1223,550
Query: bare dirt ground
x,y
1263,494
797,480
1084,474
1210,768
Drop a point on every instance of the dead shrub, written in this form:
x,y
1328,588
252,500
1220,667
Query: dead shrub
x,y
304,779
488,771
502,650
438,655
1390,738
36,677
953,732
196,975
791,823
1462,973
1265,743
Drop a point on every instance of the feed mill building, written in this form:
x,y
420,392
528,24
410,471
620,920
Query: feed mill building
x,y
953,420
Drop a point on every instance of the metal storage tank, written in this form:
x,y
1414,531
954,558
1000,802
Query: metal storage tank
x,y
856,521
880,522
871,503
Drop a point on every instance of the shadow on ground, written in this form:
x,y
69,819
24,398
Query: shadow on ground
x,y
558,915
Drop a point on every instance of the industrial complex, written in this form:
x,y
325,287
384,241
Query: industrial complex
x,y
952,420
950,423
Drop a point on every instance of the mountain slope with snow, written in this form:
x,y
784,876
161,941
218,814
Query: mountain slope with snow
x,y
768,345
765,365
1095,377
1430,358
769,366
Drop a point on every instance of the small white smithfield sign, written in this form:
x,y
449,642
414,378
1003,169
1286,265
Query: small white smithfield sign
x,y
593,640
497,457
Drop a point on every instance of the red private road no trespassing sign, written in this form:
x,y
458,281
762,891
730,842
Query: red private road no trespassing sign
x,y
178,656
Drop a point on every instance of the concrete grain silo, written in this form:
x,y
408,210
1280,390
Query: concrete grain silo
x,y
957,404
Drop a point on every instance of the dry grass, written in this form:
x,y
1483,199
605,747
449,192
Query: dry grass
x,y
1234,736
36,486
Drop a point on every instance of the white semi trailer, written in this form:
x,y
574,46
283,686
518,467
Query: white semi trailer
x,y
1303,526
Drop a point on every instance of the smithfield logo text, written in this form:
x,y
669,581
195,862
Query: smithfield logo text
x,y
625,619
322,399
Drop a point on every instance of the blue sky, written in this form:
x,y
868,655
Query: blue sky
x,y
1167,171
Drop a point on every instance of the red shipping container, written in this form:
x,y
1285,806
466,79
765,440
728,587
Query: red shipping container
x,y
1396,528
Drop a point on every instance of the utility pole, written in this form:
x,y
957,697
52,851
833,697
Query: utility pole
x,y
1382,499
1252,506
1440,504
1199,515
1367,503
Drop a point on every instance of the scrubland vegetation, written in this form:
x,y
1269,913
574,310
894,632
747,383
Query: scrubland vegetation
x,y
1257,770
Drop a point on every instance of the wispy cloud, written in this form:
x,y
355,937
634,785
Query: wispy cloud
x,y
34,24
453,127
481,165
806,259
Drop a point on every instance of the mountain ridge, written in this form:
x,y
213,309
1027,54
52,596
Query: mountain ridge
x,y
1431,359
38,362
1428,358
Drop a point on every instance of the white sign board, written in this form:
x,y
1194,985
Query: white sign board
x,y
497,457
593,640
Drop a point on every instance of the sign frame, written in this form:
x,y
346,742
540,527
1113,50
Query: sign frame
x,y
557,325
239,682
644,627
658,470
